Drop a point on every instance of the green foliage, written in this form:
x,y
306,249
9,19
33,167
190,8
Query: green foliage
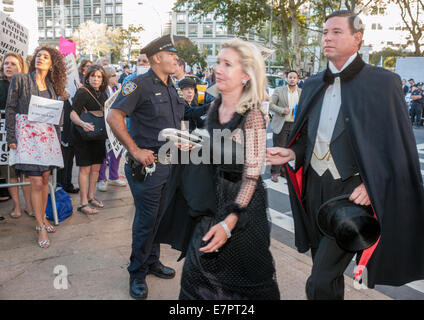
x,y
389,57
191,54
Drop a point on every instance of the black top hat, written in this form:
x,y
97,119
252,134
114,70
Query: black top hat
x,y
164,43
352,226
187,83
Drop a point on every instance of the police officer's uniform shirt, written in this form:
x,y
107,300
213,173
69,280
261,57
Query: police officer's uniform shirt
x,y
329,113
151,106
418,102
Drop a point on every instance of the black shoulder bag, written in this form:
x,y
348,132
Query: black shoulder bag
x,y
97,119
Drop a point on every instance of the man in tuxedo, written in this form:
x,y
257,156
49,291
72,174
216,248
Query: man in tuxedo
x,y
349,140
283,104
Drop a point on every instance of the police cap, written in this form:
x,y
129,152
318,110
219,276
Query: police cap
x,y
164,43
187,83
419,84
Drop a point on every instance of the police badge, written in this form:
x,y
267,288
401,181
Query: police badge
x,y
128,88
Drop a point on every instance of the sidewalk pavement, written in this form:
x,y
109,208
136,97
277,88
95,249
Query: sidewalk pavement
x,y
95,251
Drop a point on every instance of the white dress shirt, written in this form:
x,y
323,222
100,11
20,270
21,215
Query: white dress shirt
x,y
293,98
329,113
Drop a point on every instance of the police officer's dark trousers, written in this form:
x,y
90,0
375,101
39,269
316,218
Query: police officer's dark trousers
x,y
416,113
329,260
149,199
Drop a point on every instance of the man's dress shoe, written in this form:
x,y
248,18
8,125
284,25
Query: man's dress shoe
x,y
138,289
71,189
161,271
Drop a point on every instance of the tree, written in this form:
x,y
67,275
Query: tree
x,y
412,17
131,38
189,52
247,16
92,39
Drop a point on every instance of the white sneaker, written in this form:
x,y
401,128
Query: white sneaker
x,y
119,182
102,185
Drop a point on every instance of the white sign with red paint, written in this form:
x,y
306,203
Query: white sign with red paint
x,y
37,144
45,110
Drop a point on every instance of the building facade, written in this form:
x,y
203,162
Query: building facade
x,y
208,32
59,18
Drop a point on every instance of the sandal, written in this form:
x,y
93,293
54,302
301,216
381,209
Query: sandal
x,y
49,227
96,203
84,209
31,214
15,215
45,243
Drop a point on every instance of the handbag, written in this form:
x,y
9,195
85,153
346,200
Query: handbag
x,y
63,205
96,118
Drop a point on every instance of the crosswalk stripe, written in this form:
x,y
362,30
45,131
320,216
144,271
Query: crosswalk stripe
x,y
281,219
279,186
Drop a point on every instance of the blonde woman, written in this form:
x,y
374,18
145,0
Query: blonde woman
x,y
228,254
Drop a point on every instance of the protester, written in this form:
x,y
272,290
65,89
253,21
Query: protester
x,y
211,81
193,113
228,237
152,104
89,154
363,149
199,73
405,87
103,62
143,64
114,178
180,73
13,64
283,104
83,68
35,146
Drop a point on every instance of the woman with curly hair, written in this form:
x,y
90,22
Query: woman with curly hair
x,y
35,148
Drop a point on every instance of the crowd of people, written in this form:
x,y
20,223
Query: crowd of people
x,y
331,154
414,96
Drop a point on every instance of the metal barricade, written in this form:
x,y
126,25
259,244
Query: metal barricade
x,y
52,186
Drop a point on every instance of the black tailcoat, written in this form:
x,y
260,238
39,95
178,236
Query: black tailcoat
x,y
385,152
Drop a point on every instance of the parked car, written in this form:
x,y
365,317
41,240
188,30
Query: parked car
x,y
201,87
274,81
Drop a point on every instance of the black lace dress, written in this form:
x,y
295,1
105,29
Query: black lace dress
x,y
243,268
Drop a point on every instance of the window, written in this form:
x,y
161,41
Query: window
x,y
118,9
75,2
68,32
58,33
109,10
40,23
41,33
87,2
181,17
97,19
181,29
221,30
192,30
208,18
75,12
87,11
118,20
374,26
109,20
193,18
49,33
208,49
97,10
207,30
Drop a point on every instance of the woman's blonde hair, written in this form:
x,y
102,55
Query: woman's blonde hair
x,y
252,62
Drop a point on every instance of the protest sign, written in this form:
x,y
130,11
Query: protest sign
x,y
4,148
67,47
45,110
13,36
72,76
115,145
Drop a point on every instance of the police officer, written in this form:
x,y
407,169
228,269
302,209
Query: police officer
x,y
417,101
152,104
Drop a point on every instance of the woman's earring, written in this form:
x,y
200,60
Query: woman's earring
x,y
244,83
